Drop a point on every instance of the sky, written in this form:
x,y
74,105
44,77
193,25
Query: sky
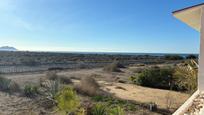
x,y
140,26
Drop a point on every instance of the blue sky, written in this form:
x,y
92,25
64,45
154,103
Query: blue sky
x,y
96,26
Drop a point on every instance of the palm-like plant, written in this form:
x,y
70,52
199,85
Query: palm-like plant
x,y
67,100
186,75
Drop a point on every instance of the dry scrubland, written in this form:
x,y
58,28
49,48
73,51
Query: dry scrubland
x,y
107,81
91,89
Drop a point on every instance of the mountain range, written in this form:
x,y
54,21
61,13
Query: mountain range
x,y
7,48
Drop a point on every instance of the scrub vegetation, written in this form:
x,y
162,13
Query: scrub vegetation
x,y
182,77
110,85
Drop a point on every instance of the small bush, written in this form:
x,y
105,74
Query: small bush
x,y
154,77
114,102
4,84
51,87
102,109
14,87
52,75
88,86
99,109
186,75
113,67
116,111
30,90
8,85
67,100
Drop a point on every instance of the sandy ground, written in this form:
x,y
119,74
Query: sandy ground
x,y
147,95
11,104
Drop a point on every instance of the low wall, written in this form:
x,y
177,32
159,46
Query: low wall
x,y
186,105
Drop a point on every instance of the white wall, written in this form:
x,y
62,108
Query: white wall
x,y
201,56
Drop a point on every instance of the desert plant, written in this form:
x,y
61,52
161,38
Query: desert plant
x,y
99,109
52,87
8,85
52,75
67,100
116,111
30,90
114,102
113,67
155,77
4,83
186,76
81,111
14,87
88,86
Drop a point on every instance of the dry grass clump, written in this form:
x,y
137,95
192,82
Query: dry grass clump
x,y
52,75
14,87
88,86
113,67
8,85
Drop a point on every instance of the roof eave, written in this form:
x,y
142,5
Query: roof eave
x,y
190,15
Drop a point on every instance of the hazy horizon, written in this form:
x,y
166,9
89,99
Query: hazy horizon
x,y
101,52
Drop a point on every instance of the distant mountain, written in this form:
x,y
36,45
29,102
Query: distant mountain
x,y
7,48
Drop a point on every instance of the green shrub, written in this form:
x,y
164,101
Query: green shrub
x,y
103,109
116,111
30,90
99,109
185,76
181,78
8,85
154,77
4,84
67,100
114,102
